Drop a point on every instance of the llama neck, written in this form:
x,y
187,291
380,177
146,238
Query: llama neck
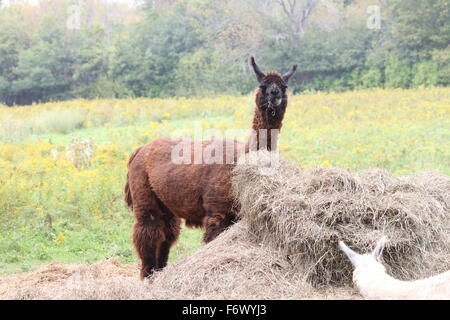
x,y
265,126
263,136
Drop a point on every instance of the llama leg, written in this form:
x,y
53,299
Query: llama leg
x,y
147,240
172,231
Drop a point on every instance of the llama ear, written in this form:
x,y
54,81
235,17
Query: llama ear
x,y
259,74
378,251
352,255
289,74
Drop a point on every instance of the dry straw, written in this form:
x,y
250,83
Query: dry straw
x,y
108,279
304,213
285,246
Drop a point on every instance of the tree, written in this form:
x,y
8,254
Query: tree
x,y
298,12
90,61
420,27
44,70
13,40
145,61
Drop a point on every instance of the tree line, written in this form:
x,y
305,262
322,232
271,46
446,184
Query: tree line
x,y
65,49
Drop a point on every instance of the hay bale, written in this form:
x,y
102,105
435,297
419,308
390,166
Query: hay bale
x,y
303,214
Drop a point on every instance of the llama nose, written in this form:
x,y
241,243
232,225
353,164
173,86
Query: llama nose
x,y
274,92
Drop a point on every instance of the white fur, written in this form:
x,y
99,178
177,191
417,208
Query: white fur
x,y
373,282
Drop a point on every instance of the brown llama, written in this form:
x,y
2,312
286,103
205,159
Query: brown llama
x,y
161,192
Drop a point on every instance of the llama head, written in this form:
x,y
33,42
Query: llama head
x,y
272,89
366,261
216,224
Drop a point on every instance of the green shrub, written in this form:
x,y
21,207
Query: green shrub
x,y
425,74
397,73
60,121
372,78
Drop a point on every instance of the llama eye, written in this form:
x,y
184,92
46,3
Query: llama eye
x,y
262,87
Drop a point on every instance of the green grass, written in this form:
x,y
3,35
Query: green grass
x,y
22,250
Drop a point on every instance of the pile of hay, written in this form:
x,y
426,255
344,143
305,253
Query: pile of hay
x,y
285,245
232,267
304,213
109,279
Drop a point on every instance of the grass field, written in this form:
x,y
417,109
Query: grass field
x,y
63,165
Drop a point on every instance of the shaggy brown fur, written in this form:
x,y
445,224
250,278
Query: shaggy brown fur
x,y
161,193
